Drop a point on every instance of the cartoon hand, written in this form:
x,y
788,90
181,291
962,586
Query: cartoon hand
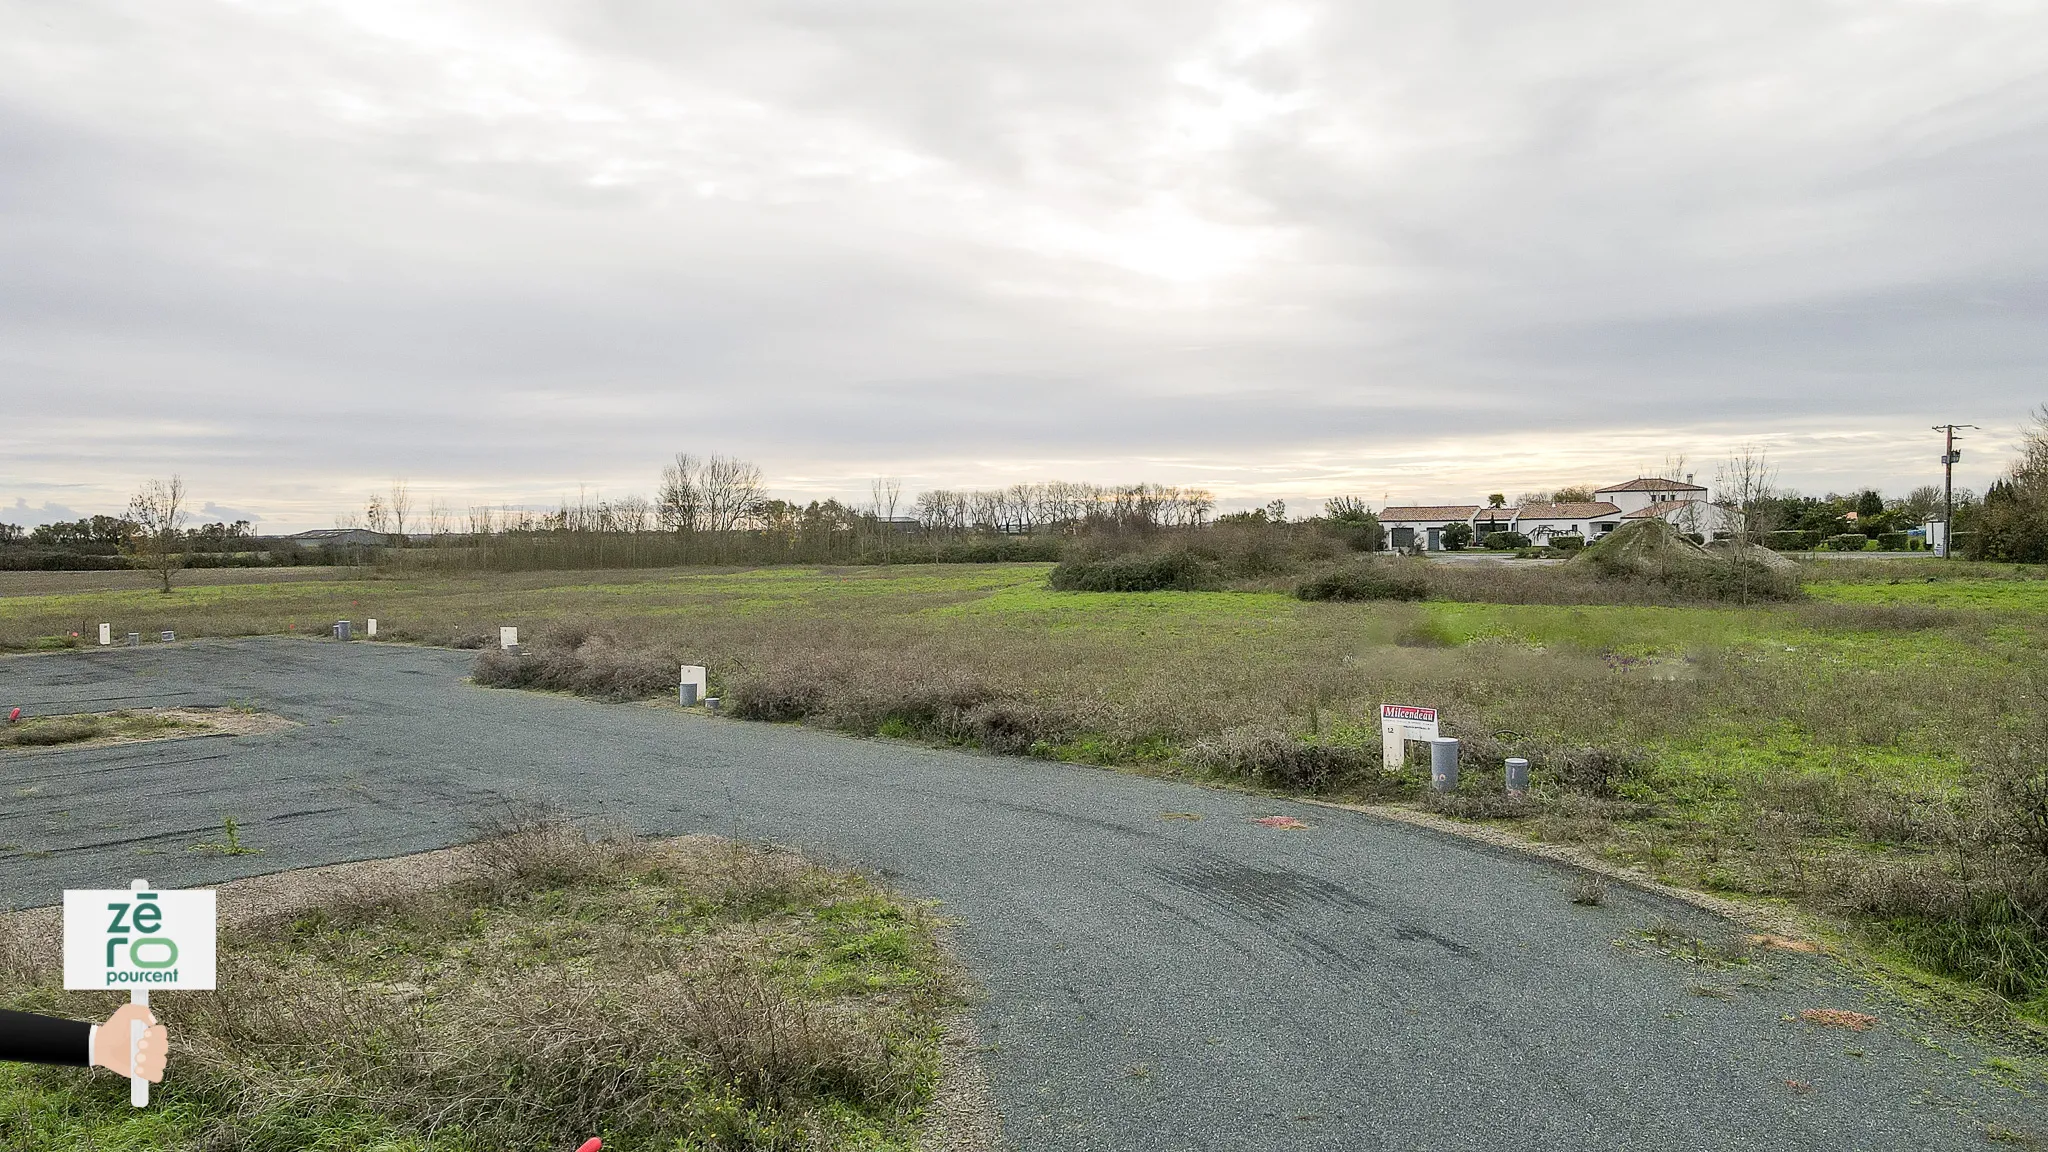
x,y
110,1044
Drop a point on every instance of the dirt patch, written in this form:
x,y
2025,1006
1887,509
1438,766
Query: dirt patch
x,y
135,726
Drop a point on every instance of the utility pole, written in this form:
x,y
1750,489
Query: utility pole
x,y
1949,456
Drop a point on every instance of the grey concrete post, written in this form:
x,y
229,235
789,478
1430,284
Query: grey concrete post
x,y
344,630
135,639
1443,764
1518,776
714,703
686,693
168,636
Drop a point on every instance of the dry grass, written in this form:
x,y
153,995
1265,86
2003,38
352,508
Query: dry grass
x,y
694,996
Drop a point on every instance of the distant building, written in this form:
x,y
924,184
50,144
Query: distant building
x,y
1423,525
340,538
1682,504
1588,520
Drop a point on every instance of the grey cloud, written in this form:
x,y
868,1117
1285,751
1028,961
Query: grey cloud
x,y
294,251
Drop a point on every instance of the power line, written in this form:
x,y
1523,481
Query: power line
x,y
1949,456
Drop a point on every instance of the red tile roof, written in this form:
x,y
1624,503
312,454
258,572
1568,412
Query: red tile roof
x,y
1651,484
1662,508
1566,511
1428,512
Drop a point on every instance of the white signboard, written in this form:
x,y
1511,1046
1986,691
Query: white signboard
x,y
106,634
508,638
1400,723
694,674
138,940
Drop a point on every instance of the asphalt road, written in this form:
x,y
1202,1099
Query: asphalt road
x,y
1150,983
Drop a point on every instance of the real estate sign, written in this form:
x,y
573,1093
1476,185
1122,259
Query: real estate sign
x,y
127,939
1400,723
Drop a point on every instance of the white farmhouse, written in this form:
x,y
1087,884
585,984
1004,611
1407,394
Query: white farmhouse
x,y
1682,504
1422,524
1590,520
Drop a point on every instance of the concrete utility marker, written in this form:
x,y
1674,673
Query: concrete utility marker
x,y
692,686
508,639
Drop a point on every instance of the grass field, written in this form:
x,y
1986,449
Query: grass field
x,y
680,996
1789,752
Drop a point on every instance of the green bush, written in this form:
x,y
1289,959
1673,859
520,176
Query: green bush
x,y
1506,541
1789,540
1456,536
1567,544
1369,580
1177,570
1893,541
1848,542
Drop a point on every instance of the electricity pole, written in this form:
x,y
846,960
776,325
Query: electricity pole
x,y
1949,456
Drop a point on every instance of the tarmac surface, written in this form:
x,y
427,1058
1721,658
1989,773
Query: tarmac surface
x,y
1150,981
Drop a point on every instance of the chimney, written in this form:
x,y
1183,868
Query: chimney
x,y
1688,477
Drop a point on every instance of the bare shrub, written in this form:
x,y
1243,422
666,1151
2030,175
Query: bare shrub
x,y
1588,889
1367,580
1268,755
776,1049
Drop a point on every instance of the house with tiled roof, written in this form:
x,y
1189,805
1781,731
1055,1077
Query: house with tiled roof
x,y
1422,524
1588,520
1682,504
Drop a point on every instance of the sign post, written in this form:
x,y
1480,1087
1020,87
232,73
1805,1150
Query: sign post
x,y
140,940
1400,723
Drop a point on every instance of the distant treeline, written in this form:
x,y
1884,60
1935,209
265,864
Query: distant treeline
x,y
105,543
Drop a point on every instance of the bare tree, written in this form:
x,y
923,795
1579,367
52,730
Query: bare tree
x,y
158,511
400,506
1748,482
377,515
887,491
731,488
679,502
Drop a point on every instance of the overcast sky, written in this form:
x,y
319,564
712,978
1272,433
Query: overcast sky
x,y
507,249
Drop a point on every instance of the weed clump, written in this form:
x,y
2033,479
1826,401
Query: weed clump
x,y
1267,755
573,658
1366,580
46,732
699,994
1173,570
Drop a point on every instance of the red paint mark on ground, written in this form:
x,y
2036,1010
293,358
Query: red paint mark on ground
x,y
1280,822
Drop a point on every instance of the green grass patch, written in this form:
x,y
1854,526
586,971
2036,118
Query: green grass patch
x,y
687,996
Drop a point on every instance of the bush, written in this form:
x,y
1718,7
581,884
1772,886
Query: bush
x,y
1367,580
1506,541
1266,755
1177,570
1456,536
1894,541
1847,542
1790,540
568,658
1567,544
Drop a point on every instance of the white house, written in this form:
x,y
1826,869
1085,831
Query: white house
x,y
1422,524
1682,504
1589,520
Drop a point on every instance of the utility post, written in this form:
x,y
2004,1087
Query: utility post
x,y
1949,456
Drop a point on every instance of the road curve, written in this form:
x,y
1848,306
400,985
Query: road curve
x,y
1151,982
